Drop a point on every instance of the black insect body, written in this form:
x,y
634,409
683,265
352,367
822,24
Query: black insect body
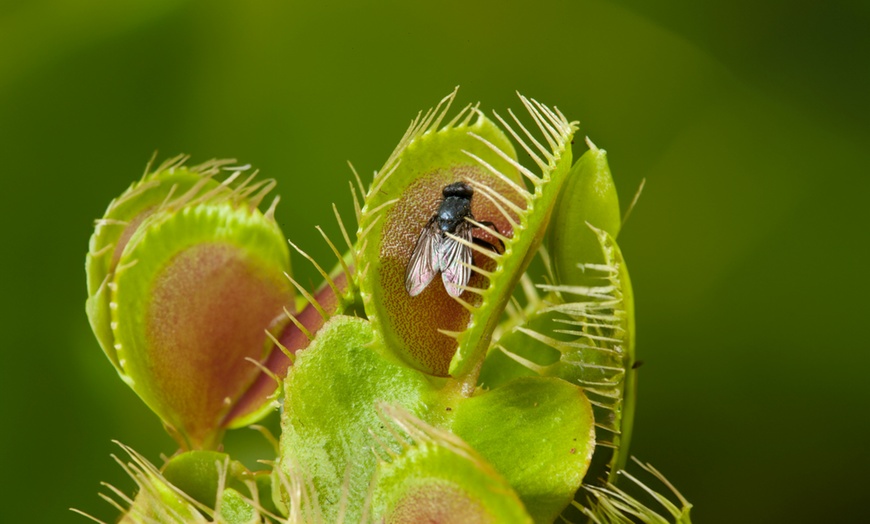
x,y
436,252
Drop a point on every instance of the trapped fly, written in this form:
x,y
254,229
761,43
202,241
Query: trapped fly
x,y
436,252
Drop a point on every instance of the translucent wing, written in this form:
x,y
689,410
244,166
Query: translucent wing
x,y
455,259
424,262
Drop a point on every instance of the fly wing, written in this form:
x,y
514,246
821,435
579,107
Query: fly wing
x,y
455,260
423,264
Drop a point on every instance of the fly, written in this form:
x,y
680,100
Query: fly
x,y
436,252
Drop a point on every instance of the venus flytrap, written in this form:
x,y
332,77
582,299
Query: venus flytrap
x,y
422,330
436,477
505,398
160,499
179,298
430,330
610,504
582,328
330,421
589,198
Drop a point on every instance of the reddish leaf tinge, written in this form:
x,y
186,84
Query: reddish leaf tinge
x,y
416,320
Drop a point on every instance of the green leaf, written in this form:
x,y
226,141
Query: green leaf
x,y
553,164
330,422
122,218
405,194
589,197
435,477
206,475
194,294
199,474
583,328
536,432
433,331
499,368
185,275
236,509
157,499
195,486
591,329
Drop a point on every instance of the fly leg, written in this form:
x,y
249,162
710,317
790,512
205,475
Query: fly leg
x,y
483,243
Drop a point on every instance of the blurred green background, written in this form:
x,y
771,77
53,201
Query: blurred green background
x,y
748,250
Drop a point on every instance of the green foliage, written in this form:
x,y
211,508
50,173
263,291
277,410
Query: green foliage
x,y
436,477
538,433
589,199
330,422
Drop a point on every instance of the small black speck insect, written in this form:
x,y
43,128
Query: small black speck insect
x,y
436,252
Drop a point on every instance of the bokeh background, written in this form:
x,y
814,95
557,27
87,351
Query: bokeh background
x,y
749,248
